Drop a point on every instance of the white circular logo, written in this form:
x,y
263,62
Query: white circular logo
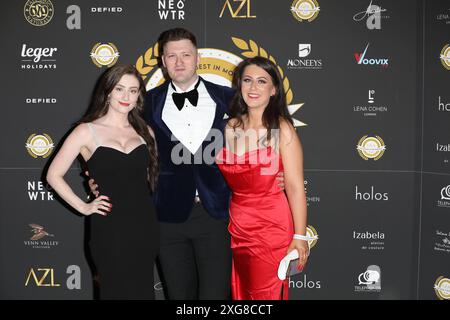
x,y
39,145
311,232
445,193
369,277
305,10
442,288
445,57
371,147
104,54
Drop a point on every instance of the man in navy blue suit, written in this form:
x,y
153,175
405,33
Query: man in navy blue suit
x,y
191,198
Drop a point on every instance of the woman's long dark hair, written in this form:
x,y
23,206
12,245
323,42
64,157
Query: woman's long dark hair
x,y
277,107
99,107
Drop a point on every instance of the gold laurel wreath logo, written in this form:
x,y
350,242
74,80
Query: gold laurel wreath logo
x,y
312,232
362,152
48,147
441,287
147,62
252,50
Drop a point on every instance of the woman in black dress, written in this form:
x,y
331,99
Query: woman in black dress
x,y
120,153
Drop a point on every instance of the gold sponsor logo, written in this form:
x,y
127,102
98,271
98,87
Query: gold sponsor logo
x,y
312,233
39,145
42,277
445,56
104,54
371,147
305,10
242,11
38,12
442,288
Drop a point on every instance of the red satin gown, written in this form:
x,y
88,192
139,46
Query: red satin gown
x,y
261,224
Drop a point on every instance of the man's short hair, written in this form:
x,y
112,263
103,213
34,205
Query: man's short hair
x,y
175,34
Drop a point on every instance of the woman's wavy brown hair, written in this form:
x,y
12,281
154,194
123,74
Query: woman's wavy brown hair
x,y
99,107
277,107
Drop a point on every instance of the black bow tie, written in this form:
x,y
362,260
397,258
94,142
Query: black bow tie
x,y
192,96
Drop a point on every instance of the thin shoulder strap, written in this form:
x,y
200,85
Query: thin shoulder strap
x,y
94,135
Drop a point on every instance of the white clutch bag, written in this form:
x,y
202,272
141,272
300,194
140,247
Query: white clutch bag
x,y
288,265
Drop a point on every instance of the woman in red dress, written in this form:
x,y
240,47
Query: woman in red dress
x,y
265,222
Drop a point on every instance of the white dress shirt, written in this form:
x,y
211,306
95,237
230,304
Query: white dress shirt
x,y
191,124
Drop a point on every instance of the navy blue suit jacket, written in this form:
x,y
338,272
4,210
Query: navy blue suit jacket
x,y
175,191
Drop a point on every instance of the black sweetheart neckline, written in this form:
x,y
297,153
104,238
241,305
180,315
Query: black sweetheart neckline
x,y
119,151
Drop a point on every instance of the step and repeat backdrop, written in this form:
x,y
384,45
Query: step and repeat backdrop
x,y
367,84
